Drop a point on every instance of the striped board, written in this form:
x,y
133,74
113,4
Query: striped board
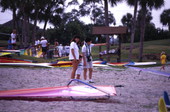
x,y
11,51
100,65
69,64
140,63
99,62
4,53
11,60
27,64
117,64
39,53
61,64
81,90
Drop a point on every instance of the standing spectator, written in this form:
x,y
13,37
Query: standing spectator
x,y
67,49
74,54
37,46
44,46
60,50
13,39
87,58
163,60
56,44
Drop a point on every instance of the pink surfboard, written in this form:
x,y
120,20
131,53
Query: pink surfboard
x,y
59,91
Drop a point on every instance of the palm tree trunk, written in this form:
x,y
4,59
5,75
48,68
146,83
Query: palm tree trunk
x,y
133,30
14,18
35,27
107,24
45,25
142,32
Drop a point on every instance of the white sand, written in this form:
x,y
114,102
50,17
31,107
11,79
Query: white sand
x,y
140,93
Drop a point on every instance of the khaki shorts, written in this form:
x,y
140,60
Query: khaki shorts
x,y
88,64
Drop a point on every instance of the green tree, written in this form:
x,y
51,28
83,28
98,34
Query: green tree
x,y
127,21
133,26
165,18
145,4
52,9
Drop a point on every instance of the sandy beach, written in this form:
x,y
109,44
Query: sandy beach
x,y
140,92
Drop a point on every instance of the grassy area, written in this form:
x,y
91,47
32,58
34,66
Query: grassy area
x,y
150,47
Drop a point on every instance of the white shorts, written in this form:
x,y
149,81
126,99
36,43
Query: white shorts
x,y
79,70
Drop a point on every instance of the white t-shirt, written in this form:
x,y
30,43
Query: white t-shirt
x,y
43,43
87,49
67,48
74,46
13,38
60,48
37,42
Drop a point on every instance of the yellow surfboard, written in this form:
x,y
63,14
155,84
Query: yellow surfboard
x,y
4,53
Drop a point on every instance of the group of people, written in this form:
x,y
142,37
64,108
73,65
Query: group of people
x,y
82,62
61,50
58,49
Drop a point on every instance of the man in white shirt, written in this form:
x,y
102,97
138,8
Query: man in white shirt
x,y
13,39
60,50
44,46
87,58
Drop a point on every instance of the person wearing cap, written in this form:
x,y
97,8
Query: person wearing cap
x,y
44,46
74,55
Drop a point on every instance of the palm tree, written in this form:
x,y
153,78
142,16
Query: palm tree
x,y
165,18
51,9
38,6
145,4
133,27
127,21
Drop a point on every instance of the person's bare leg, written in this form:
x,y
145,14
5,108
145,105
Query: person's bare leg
x,y
90,73
74,68
84,73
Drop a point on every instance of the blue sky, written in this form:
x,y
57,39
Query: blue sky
x,y
118,11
